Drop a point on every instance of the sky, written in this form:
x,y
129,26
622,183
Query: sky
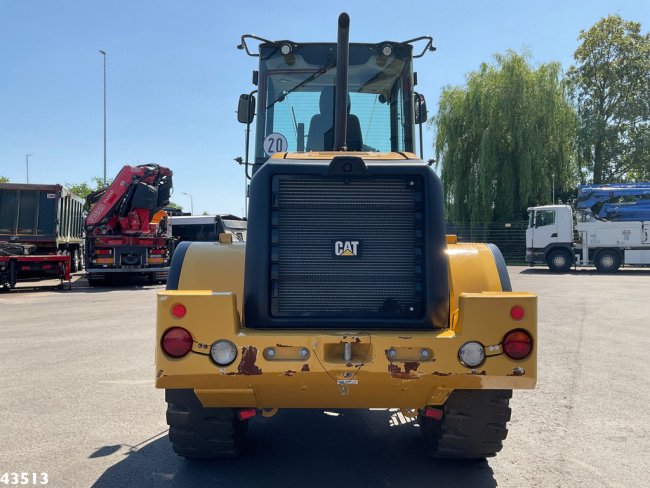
x,y
174,74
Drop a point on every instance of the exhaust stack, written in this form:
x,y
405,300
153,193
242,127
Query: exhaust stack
x,y
341,103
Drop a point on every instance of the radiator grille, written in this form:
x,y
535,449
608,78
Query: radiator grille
x,y
382,215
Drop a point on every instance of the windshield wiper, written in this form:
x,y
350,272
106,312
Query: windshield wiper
x,y
309,79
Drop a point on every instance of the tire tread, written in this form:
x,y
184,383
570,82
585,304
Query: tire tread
x,y
473,425
199,432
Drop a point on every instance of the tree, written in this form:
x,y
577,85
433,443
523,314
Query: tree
x,y
174,205
84,189
4,179
611,83
502,137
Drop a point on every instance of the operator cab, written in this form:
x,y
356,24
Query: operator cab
x,y
346,225
297,93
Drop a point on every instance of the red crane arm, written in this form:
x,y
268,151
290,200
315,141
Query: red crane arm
x,y
126,206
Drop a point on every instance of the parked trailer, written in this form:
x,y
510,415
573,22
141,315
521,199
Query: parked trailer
x,y
49,217
57,266
207,228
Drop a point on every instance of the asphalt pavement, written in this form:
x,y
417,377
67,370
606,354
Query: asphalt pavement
x,y
77,401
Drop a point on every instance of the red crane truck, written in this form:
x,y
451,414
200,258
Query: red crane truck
x,y
126,232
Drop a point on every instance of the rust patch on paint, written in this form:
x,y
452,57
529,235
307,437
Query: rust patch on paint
x,y
438,373
475,373
357,340
282,345
247,364
396,372
305,367
394,369
159,374
406,376
289,372
406,338
411,366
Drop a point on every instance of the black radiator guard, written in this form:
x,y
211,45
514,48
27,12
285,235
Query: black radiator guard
x,y
260,310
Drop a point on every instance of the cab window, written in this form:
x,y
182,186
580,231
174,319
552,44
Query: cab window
x,y
544,217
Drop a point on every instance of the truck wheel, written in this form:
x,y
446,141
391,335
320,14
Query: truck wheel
x,y
473,425
75,261
607,261
559,261
199,432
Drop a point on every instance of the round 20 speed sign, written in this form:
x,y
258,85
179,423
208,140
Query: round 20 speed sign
x,y
275,143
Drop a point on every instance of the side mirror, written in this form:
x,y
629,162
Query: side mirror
x,y
246,109
420,108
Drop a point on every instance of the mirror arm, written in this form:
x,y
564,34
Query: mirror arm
x,y
241,162
427,47
419,99
244,46
248,133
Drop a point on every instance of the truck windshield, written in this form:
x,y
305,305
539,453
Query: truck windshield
x,y
297,96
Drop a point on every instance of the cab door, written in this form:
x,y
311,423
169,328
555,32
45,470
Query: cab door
x,y
544,228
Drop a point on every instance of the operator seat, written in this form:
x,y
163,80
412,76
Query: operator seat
x,y
321,127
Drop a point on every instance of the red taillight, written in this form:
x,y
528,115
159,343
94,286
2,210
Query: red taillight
x,y
517,312
434,413
103,251
246,414
158,251
178,310
517,344
177,342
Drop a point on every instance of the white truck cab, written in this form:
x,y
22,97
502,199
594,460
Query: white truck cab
x,y
561,239
549,237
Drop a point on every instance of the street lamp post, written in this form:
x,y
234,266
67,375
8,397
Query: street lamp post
x,y
553,176
27,165
103,53
191,202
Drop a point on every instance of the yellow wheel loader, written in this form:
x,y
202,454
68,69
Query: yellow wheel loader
x,y
347,293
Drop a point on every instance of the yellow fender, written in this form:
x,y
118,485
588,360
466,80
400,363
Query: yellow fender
x,y
209,266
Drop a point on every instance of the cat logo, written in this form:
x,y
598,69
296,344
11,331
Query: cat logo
x,y
347,249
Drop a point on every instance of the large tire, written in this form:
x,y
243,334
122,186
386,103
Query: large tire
x,y
559,261
608,261
199,432
473,425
